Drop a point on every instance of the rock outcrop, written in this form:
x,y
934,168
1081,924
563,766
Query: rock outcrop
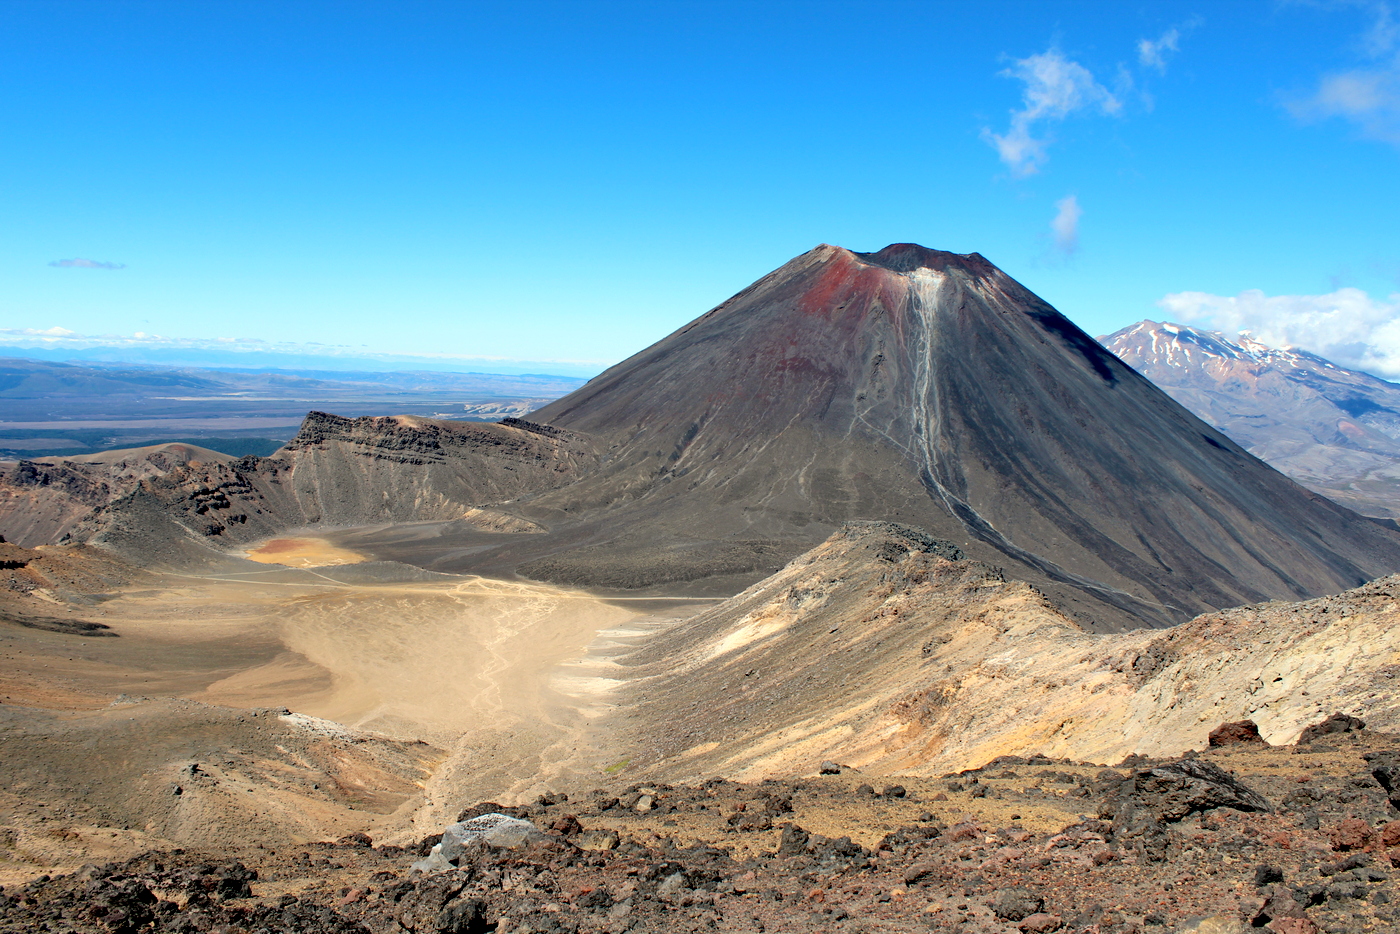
x,y
171,505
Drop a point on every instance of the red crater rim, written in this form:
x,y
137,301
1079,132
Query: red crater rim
x,y
908,257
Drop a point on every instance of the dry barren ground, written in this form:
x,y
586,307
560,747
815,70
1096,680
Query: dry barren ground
x,y
456,682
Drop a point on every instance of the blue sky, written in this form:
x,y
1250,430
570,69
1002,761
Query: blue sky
x,y
572,181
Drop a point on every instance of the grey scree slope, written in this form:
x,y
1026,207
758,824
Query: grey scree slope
x,y
933,389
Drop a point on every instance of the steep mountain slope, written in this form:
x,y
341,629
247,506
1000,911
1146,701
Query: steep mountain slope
x,y
932,388
1334,430
889,650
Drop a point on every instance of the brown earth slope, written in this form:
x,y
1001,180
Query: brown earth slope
x,y
890,650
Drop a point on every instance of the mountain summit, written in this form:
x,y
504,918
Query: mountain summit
x,y
932,388
1332,429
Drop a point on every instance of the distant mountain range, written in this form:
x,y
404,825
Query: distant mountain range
x,y
57,345
51,407
1334,430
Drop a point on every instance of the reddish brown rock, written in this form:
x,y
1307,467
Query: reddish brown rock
x,y
1293,926
1041,923
1352,834
568,825
1232,734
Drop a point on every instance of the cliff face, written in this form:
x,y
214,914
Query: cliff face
x,y
342,471
889,650
161,506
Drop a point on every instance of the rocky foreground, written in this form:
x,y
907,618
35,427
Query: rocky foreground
x,y
1291,840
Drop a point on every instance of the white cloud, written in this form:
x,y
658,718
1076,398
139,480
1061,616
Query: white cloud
x,y
1384,33
234,351
1065,226
1153,54
1347,326
1055,87
1368,96
80,263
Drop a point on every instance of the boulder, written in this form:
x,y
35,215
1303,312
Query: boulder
x,y
1234,734
598,840
1337,723
494,830
1174,791
1352,834
1016,903
1041,923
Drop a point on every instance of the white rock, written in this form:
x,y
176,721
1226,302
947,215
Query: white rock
x,y
498,830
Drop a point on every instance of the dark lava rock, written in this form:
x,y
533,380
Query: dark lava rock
x,y
1232,734
1146,802
121,905
1337,723
1385,768
1016,903
1172,792
793,841
355,839
464,916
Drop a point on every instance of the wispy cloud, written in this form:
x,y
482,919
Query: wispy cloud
x,y
1152,53
1065,226
1347,326
79,263
1368,95
1055,88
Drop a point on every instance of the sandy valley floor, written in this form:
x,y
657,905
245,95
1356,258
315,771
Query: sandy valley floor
x,y
505,679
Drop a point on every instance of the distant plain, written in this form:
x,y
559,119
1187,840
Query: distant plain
x,y
61,409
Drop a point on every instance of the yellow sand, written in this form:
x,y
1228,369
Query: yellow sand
x,y
468,665
303,553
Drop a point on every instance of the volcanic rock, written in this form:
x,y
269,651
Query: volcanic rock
x,y
1337,723
1231,734
1171,792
